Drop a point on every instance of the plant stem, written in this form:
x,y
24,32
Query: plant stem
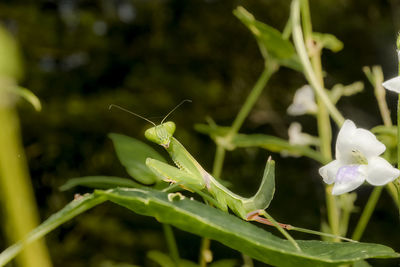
x,y
218,161
237,123
86,203
313,73
380,94
241,116
280,228
308,71
369,208
312,232
397,181
171,243
376,79
205,253
252,98
247,261
20,211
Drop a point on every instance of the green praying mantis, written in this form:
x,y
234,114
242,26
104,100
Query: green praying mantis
x,y
190,175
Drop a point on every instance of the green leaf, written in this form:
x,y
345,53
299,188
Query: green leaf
x,y
388,136
28,96
99,182
77,206
203,220
268,142
200,219
133,154
385,130
276,144
272,44
328,41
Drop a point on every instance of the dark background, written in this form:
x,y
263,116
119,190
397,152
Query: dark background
x,y
82,56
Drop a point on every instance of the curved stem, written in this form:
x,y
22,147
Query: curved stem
x,y
204,252
252,98
397,181
308,71
313,73
171,243
366,215
281,229
218,161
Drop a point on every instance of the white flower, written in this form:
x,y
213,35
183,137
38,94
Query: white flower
x,y
303,102
394,83
357,160
297,137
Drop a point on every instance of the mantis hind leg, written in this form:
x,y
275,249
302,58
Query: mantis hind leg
x,y
254,216
268,220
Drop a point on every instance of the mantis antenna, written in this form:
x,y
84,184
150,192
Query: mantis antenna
x,y
133,113
177,106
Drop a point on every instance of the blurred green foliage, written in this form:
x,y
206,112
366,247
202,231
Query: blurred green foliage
x,y
82,56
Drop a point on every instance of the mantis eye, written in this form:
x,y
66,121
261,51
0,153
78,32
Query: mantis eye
x,y
169,127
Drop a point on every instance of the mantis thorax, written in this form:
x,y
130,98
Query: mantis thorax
x,y
161,134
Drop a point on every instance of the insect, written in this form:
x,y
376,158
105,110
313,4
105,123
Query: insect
x,y
190,175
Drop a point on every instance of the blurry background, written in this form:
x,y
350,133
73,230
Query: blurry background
x,y
82,56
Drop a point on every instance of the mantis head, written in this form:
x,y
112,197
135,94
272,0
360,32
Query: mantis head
x,y
161,134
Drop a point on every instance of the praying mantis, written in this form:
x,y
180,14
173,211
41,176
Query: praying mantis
x,y
190,175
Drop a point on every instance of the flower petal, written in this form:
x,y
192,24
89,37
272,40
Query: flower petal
x,y
303,102
348,178
367,144
380,172
393,84
296,137
354,141
328,172
343,142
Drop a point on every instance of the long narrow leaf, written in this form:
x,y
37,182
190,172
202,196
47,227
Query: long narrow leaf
x,y
71,210
276,144
133,154
99,182
203,220
200,219
270,40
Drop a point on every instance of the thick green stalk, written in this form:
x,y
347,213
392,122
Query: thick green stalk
x,y
325,134
313,73
369,208
397,181
308,71
376,80
21,214
306,19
